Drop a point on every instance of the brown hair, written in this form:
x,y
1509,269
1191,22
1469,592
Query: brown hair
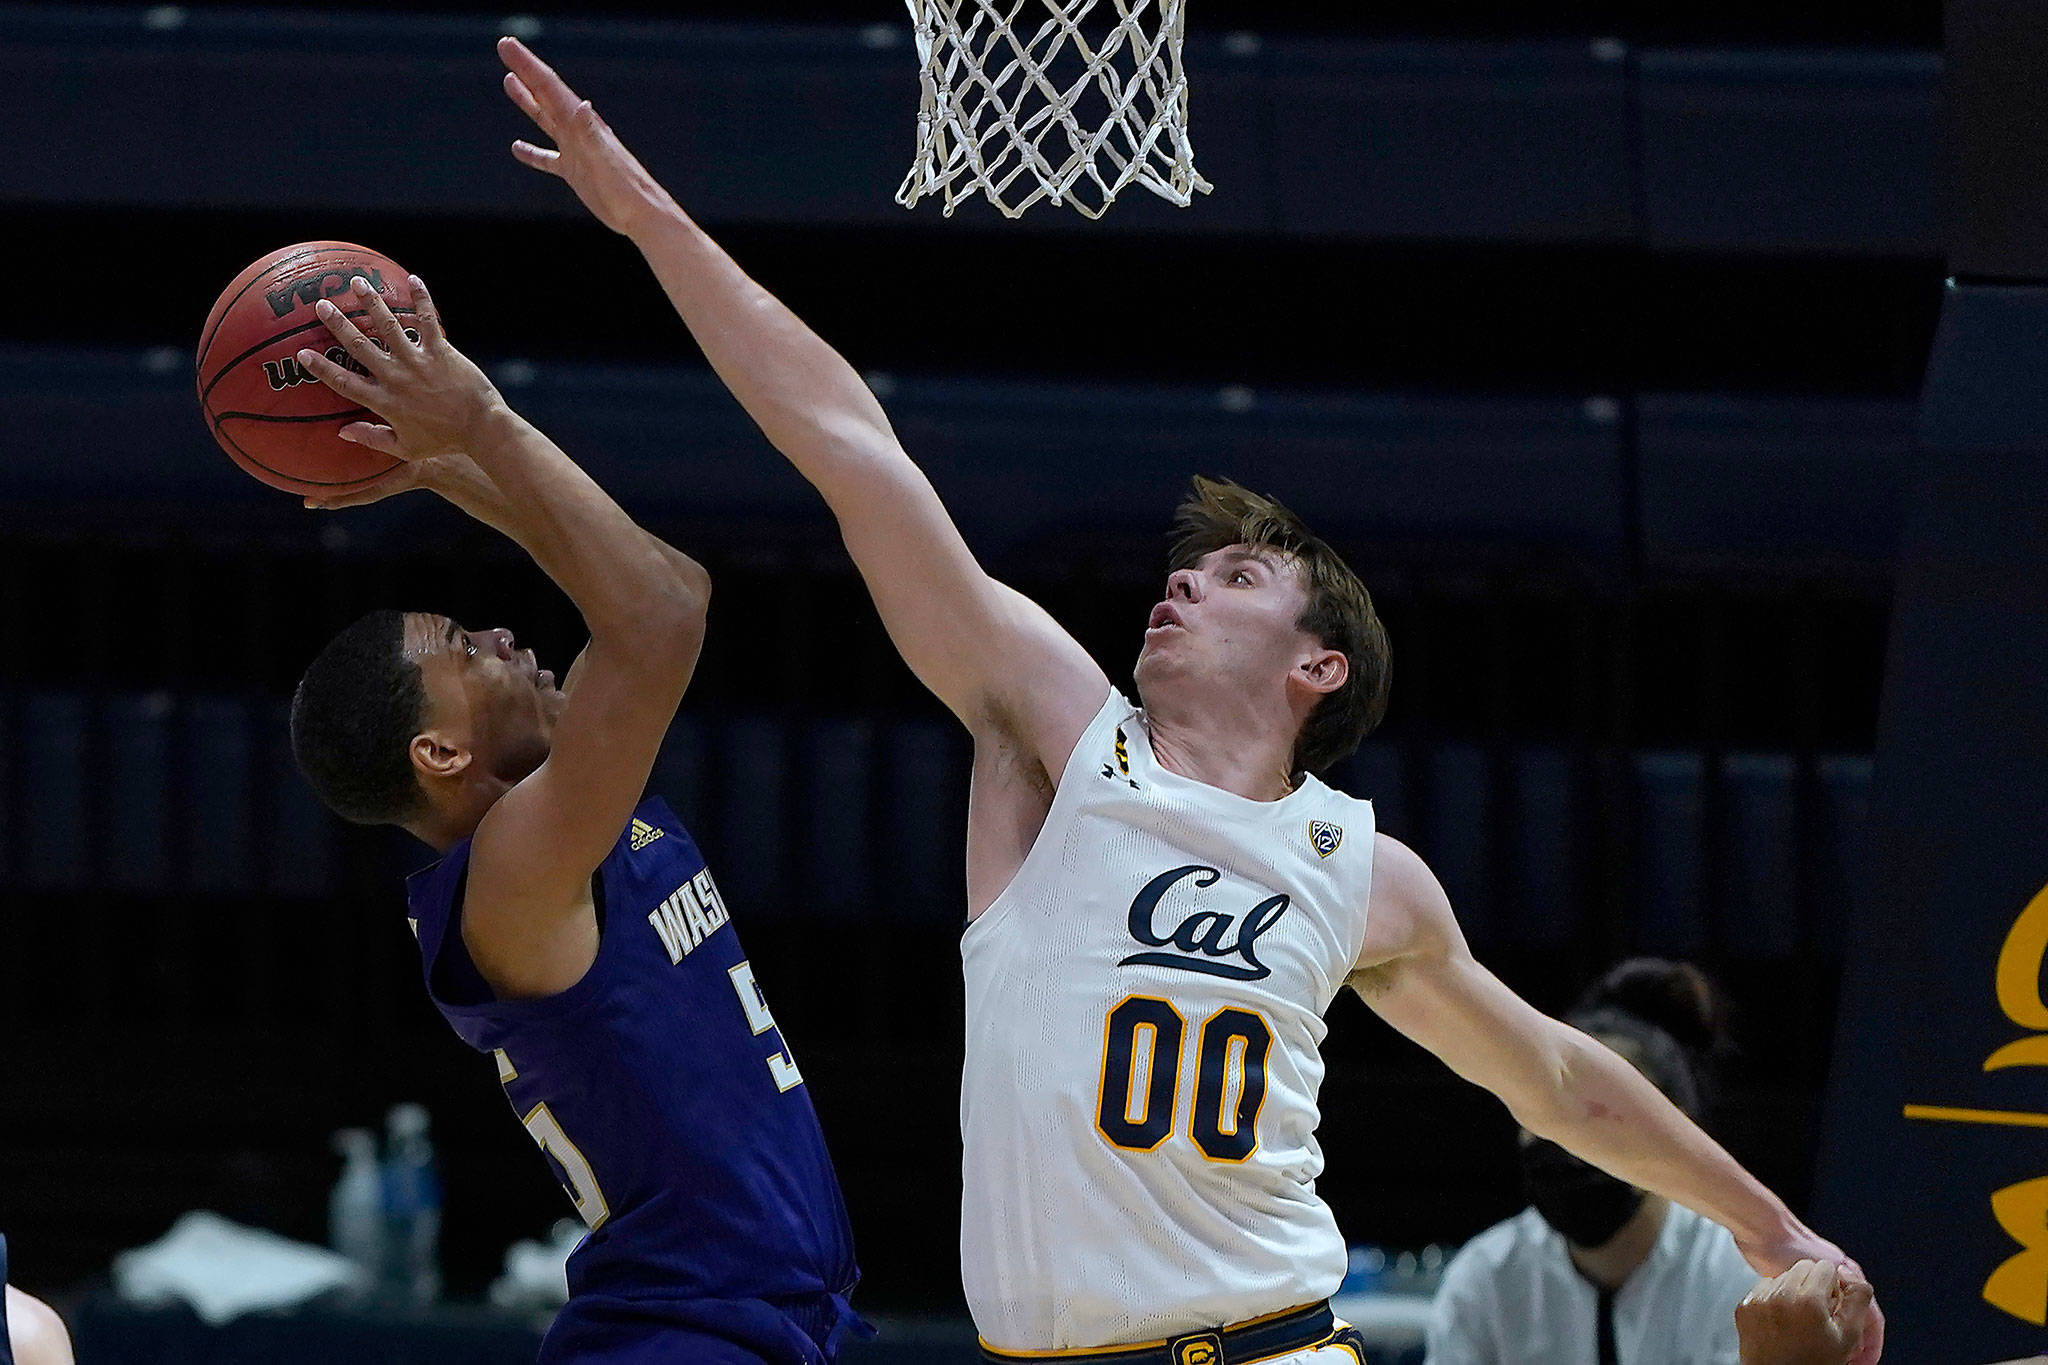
x,y
1675,1017
1218,513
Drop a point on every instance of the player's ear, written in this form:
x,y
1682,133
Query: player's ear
x,y
434,757
1322,672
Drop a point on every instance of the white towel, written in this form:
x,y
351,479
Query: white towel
x,y
225,1270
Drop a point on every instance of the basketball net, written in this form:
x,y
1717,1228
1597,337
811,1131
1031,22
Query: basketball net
x,y
1094,99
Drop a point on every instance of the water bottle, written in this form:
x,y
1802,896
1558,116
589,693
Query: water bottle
x,y
355,1209
412,1208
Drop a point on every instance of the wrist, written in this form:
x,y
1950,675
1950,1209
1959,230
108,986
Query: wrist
x,y
1773,1231
657,221
460,482
490,428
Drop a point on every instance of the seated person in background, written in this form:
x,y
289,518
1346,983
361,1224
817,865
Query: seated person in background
x,y
1599,1272
31,1333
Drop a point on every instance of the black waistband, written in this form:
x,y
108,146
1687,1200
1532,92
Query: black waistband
x,y
1280,1334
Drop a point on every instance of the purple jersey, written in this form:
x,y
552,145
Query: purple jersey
x,y
667,1103
6,1349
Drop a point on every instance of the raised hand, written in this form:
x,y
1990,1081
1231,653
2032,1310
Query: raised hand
x,y
1807,1247
1816,1313
455,477
609,180
431,396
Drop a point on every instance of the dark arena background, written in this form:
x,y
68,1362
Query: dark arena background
x,y
1591,335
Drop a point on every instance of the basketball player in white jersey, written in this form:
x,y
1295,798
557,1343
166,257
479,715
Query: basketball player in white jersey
x,y
1164,899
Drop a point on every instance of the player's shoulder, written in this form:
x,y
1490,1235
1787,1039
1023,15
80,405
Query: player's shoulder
x,y
1409,904
1094,723
1322,793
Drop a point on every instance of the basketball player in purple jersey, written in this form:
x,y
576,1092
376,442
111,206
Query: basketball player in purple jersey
x,y
571,928
1162,898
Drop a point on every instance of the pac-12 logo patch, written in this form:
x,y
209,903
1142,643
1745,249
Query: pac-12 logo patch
x,y
1206,1349
1324,837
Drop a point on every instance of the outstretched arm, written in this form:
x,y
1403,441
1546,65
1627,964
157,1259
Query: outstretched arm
x,y
528,921
1419,975
986,651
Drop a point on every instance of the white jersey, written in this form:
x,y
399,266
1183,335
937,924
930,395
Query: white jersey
x,y
1144,1006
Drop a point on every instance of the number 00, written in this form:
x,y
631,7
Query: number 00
x,y
1141,1066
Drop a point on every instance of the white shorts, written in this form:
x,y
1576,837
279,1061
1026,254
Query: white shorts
x,y
1336,1354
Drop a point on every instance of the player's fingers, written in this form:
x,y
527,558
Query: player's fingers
x,y
345,382
540,158
585,122
1871,1346
516,91
383,323
374,435
376,490
426,314
551,94
348,334
1819,1282
1783,1288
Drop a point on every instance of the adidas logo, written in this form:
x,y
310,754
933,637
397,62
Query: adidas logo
x,y
643,834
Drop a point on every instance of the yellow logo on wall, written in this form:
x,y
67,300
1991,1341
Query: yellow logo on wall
x,y
2020,1285
2019,986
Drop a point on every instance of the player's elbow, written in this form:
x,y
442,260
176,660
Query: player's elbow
x,y
675,615
669,607
693,583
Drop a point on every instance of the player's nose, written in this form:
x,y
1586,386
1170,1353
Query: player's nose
x,y
501,642
1184,584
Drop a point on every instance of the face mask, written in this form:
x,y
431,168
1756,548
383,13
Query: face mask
x,y
1583,1202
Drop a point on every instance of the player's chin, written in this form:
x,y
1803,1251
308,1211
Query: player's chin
x,y
1164,648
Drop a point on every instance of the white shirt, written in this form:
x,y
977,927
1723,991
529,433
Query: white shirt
x,y
1512,1296
1144,1005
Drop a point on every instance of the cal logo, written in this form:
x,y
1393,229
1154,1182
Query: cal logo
x,y
1324,837
643,834
1206,1349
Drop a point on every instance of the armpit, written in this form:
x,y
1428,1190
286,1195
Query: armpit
x,y
1372,982
1003,753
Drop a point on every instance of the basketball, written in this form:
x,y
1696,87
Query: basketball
x,y
272,417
